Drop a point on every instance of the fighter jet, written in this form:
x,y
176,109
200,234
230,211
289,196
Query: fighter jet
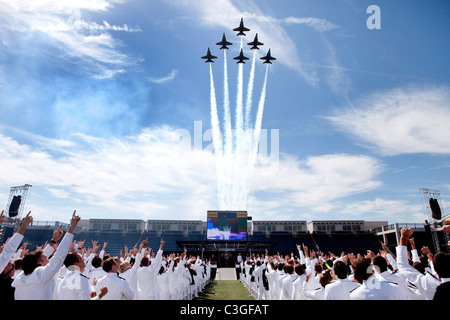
x,y
241,28
241,57
255,43
224,43
268,57
209,56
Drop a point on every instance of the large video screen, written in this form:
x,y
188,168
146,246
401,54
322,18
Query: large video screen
x,y
226,225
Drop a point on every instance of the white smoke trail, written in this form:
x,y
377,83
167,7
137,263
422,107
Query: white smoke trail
x,y
228,138
248,105
258,122
216,136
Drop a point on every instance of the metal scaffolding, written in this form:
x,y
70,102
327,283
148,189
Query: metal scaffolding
x,y
15,221
427,194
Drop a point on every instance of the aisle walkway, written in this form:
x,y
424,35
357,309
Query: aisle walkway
x,y
224,290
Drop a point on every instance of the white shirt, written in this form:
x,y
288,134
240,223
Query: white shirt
x,y
287,288
39,284
426,284
75,286
146,279
118,288
340,289
9,250
374,289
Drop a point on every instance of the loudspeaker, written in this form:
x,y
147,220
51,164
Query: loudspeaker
x,y
14,206
435,209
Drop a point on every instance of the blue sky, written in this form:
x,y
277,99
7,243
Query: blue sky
x,y
94,95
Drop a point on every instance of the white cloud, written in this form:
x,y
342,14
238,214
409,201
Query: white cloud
x,y
59,24
400,121
318,24
152,175
165,79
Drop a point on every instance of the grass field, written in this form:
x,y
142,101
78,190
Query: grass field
x,y
225,290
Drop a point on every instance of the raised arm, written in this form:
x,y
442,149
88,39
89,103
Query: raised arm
x,y
10,248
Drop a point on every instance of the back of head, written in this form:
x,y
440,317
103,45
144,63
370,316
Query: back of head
x,y
361,267
70,259
280,266
441,263
340,269
30,261
380,262
108,264
145,261
289,268
97,262
124,266
299,269
325,278
318,268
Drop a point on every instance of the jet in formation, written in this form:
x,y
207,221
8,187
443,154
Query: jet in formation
x,y
241,28
224,43
255,43
209,57
268,57
241,57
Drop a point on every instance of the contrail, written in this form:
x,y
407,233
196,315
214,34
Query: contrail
x,y
248,105
226,106
258,122
228,143
216,137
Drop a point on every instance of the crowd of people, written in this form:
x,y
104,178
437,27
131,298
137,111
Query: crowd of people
x,y
67,270
312,275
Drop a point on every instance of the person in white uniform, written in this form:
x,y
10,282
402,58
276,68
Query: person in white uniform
x,y
75,285
340,288
146,276
36,280
371,288
118,288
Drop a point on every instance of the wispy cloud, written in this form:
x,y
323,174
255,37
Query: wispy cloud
x,y
318,24
400,121
165,79
59,24
153,172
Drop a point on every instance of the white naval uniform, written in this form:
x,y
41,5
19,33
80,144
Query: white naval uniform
x,y
75,286
146,279
426,284
298,285
95,274
374,289
118,288
287,287
10,250
317,294
39,284
340,289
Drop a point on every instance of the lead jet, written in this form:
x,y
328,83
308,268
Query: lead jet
x,y
209,56
241,28
255,43
224,43
268,57
241,57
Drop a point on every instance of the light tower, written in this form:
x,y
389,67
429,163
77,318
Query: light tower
x,y
14,208
433,205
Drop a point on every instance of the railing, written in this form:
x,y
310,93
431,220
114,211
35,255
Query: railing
x,y
415,226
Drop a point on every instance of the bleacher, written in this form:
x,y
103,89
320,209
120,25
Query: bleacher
x,y
346,242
